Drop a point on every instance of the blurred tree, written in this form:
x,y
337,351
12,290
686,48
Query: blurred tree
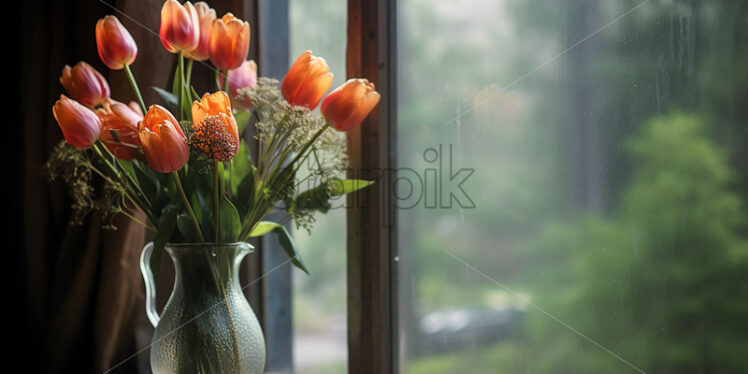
x,y
662,282
540,98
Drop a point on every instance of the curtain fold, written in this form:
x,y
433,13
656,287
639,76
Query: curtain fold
x,y
83,302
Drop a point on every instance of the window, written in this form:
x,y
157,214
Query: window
x,y
319,299
600,225
561,186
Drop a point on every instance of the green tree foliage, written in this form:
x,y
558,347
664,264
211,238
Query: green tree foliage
x,y
661,281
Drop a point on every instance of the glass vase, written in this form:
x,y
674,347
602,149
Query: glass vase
x,y
207,325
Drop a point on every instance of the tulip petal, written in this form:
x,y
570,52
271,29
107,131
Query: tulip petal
x,y
210,104
313,90
206,15
349,104
114,43
80,126
84,84
180,27
295,76
163,141
219,53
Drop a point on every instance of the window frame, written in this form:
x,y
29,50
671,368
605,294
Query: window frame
x,y
372,253
371,232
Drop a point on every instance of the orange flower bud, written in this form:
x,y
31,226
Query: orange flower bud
x,y
229,42
115,44
307,81
80,126
163,141
206,15
121,119
180,27
84,84
242,77
350,103
214,131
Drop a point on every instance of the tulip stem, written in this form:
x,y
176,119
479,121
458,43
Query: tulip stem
x,y
309,144
218,80
301,156
187,206
141,223
136,192
135,88
216,201
188,76
180,58
226,81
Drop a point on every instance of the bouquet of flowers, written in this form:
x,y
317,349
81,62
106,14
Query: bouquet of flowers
x,y
185,163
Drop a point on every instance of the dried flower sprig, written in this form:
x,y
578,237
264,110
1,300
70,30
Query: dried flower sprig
x,y
73,167
76,169
288,134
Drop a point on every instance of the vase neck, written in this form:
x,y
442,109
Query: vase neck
x,y
198,266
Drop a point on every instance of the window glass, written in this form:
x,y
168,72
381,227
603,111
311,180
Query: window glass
x,y
572,186
319,299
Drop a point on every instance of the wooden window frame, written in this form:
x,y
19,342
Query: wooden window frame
x,y
372,255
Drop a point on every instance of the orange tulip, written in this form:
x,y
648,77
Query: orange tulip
x,y
180,26
229,42
80,126
115,44
306,81
242,77
84,84
206,16
350,103
121,119
214,131
163,141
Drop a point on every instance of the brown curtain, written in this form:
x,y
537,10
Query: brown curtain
x,y
82,305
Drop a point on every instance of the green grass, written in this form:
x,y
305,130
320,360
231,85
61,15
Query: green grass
x,y
493,359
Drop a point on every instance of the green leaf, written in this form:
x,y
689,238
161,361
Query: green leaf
x,y
245,192
240,166
170,100
207,221
290,247
242,120
281,186
166,224
317,198
262,228
129,169
157,187
198,204
229,221
187,228
344,186
240,179
150,184
284,238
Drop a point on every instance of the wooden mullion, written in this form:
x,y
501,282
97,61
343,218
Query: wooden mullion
x,y
371,234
